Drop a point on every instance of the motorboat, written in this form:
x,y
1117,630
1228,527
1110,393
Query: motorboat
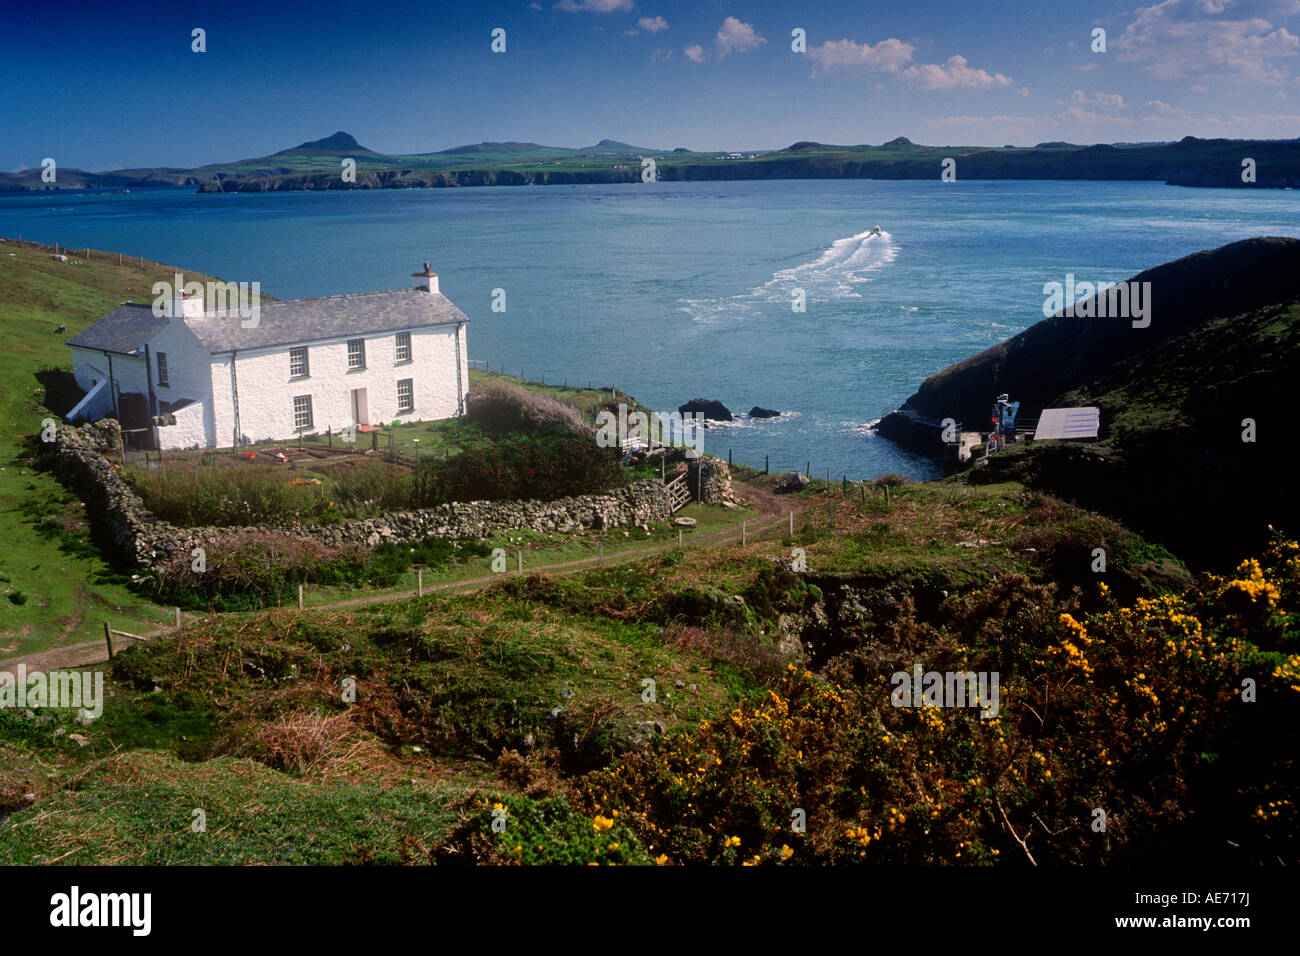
x,y
876,231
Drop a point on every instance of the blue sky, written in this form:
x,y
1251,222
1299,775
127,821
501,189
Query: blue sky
x,y
116,84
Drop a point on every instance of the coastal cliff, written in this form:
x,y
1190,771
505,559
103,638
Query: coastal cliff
x,y
1195,409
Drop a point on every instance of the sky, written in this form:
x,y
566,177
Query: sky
x,y
118,85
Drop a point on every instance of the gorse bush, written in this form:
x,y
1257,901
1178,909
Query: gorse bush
x,y
1142,712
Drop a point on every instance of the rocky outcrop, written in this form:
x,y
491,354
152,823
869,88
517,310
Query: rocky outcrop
x,y
1064,352
150,543
710,408
757,412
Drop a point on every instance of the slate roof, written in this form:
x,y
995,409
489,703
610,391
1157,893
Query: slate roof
x,y
124,330
127,328
291,321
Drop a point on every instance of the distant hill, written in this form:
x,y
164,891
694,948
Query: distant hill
x,y
1223,346
342,143
614,146
316,164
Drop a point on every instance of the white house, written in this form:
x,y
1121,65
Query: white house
x,y
202,379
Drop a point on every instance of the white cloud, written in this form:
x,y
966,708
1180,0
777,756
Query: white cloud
x,y
735,36
1088,67
846,56
968,121
953,75
1160,106
1077,114
1178,38
1107,100
652,24
694,53
594,6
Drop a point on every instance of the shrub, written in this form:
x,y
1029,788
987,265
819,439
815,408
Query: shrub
x,y
503,408
547,832
229,497
521,467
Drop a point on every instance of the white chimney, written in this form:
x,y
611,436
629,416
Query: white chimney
x,y
187,306
427,280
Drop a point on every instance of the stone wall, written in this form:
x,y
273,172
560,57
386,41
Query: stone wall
x,y
149,542
709,479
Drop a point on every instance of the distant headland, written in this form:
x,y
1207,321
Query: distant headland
x,y
340,162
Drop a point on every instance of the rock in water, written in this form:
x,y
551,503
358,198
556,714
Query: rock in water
x,y
710,408
757,412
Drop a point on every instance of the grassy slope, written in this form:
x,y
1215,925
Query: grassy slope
x,y
463,676
70,590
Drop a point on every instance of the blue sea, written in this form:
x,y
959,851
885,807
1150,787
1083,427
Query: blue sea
x,y
673,291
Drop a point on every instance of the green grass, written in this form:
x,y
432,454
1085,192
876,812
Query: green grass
x,y
254,815
71,591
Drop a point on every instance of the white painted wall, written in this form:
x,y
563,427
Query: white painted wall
x,y
191,429
189,375
90,366
266,391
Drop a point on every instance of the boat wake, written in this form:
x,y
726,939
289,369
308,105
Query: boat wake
x,y
835,274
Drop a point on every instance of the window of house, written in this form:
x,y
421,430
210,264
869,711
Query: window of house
x,y
356,353
298,362
162,368
403,346
302,412
406,395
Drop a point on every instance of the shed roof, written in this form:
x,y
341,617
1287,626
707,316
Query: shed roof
x,y
124,330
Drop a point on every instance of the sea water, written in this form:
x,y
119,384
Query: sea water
x,y
768,293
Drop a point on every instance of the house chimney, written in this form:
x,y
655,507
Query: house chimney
x,y
427,280
187,306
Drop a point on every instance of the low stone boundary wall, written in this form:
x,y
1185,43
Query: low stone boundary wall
x,y
150,542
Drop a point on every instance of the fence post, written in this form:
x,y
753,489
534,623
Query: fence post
x,y
807,471
108,639
520,555
178,619
743,536
767,460
864,492
792,522
300,597
419,582
728,457
680,546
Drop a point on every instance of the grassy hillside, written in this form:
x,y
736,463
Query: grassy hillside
x,y
54,586
771,691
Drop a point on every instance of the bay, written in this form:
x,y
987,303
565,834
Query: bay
x,y
673,291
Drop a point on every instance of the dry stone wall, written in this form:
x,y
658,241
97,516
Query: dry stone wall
x,y
150,542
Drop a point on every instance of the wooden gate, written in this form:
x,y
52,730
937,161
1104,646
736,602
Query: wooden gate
x,y
678,494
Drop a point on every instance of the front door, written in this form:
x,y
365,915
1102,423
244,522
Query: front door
x,y
360,408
